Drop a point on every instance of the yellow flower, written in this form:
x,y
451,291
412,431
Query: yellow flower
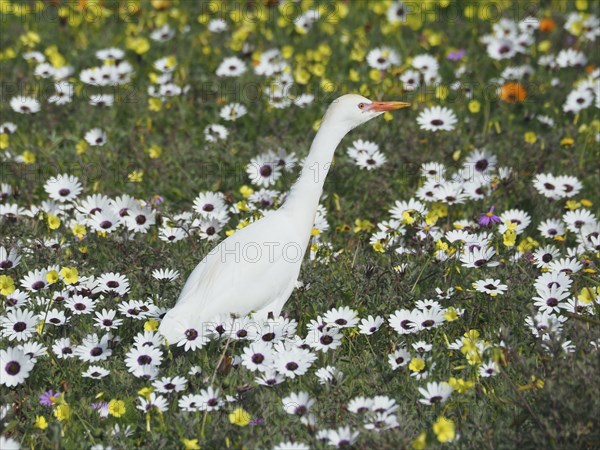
x,y
459,385
154,104
53,221
530,137
420,442
362,225
375,75
30,39
566,142
407,218
145,392
509,238
239,417
154,151
581,5
586,203
79,231
450,315
52,277
378,247
4,141
190,444
116,407
417,365
28,157
527,244
441,92
81,147
151,325
444,429
572,205
7,285
587,295
69,275
62,412
139,45
41,422
246,191
136,176
545,46
474,106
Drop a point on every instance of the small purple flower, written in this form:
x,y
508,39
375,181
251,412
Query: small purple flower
x,y
456,55
489,218
102,408
257,421
48,398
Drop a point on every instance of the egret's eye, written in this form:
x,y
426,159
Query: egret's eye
x,y
361,106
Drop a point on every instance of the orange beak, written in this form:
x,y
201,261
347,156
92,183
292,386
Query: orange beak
x,y
386,106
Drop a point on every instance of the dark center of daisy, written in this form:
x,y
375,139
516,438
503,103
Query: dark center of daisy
x,y
54,320
169,386
504,49
479,262
326,339
105,224
268,337
428,323
67,351
213,402
64,192
406,324
112,284
552,302
300,410
257,358
210,231
19,326
435,399
549,186
490,286
481,165
399,360
266,171
96,351
140,219
292,366
547,257
107,322
381,60
208,207
437,122
144,359
191,334
95,374
38,285
12,368
242,333
98,140
7,264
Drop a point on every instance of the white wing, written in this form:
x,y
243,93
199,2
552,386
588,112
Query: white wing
x,y
252,269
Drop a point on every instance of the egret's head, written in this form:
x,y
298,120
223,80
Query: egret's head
x,y
352,110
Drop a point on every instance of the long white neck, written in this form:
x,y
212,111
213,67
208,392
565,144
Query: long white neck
x,y
303,198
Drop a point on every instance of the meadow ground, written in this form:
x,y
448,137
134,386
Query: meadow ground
x,y
449,298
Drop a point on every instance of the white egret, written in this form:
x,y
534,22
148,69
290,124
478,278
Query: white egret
x,y
255,269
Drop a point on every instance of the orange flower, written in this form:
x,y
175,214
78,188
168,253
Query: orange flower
x,y
513,93
590,68
547,25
